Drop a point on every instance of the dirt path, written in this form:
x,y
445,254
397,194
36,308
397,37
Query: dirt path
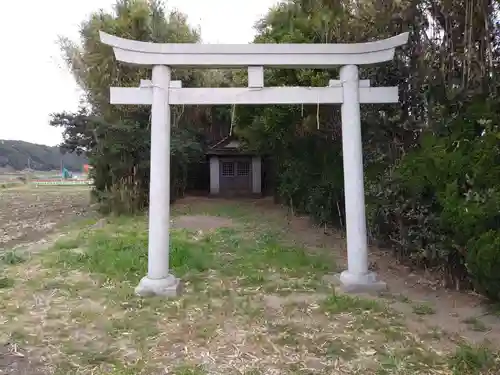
x,y
429,307
443,314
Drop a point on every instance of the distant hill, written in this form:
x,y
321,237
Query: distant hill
x,y
18,155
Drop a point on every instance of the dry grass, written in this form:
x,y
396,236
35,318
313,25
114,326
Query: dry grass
x,y
252,304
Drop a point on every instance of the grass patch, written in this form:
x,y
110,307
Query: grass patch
x,y
122,255
67,243
337,348
252,302
119,253
423,309
413,359
402,298
89,356
12,258
261,259
243,212
475,324
336,304
189,370
435,333
474,360
140,324
6,282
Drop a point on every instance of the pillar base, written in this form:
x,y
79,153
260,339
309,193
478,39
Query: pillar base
x,y
167,287
353,283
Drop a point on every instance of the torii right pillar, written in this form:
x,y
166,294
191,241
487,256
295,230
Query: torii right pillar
x,y
357,278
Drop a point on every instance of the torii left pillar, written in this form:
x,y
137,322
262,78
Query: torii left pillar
x,y
159,281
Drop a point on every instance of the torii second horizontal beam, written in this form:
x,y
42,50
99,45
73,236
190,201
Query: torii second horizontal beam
x,y
244,95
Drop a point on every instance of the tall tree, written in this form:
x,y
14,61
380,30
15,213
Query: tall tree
x,y
117,138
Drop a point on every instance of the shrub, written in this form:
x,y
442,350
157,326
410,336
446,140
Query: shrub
x,y
483,263
436,205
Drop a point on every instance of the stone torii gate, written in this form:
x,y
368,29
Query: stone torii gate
x,y
160,92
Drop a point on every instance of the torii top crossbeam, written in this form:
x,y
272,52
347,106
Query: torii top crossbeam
x,y
243,55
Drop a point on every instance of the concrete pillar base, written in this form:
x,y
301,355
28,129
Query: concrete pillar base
x,y
167,287
358,284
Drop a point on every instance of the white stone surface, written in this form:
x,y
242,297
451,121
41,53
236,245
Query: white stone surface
x,y
159,279
256,174
244,55
168,286
214,175
354,284
352,148
338,83
147,84
255,76
244,95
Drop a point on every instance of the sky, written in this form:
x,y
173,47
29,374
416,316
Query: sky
x,y
35,81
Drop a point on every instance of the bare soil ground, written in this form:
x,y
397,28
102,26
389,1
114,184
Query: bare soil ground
x,y
257,301
28,214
